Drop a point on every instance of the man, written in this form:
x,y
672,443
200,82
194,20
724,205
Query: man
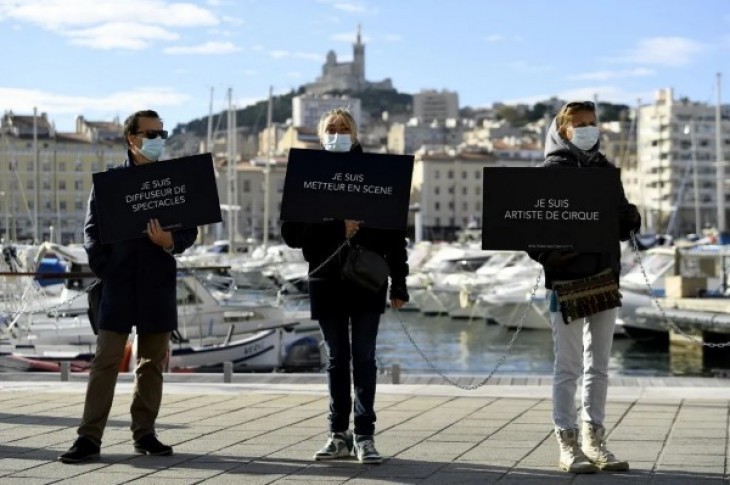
x,y
139,282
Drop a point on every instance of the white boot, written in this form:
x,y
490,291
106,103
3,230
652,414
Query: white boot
x,y
572,458
594,448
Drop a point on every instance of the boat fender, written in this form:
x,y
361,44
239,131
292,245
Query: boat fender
x,y
126,357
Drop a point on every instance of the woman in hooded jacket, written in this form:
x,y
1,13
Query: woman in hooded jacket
x,y
339,304
582,346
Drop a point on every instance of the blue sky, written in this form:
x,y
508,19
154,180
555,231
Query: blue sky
x,y
102,58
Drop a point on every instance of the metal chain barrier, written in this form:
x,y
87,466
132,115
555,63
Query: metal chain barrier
x,y
500,361
672,324
51,309
290,284
84,291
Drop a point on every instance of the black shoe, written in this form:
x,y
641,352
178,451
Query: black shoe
x,y
82,450
150,445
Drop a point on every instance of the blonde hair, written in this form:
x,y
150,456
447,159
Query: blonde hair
x,y
346,117
564,117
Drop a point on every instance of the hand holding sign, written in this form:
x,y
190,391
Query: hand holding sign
x,y
351,227
159,236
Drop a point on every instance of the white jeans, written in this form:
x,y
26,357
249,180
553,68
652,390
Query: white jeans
x,y
581,348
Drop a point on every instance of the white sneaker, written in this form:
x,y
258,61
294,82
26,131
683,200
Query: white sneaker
x,y
365,450
339,445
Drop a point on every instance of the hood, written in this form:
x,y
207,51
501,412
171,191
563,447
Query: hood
x,y
559,149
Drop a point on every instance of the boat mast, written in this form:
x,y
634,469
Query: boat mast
x,y
267,168
721,224
231,173
36,178
209,135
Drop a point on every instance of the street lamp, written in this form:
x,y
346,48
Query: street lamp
x,y
690,130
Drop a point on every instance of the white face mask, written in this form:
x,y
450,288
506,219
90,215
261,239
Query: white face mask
x,y
153,149
337,142
585,137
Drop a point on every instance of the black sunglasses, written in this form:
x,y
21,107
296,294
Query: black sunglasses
x,y
582,104
152,134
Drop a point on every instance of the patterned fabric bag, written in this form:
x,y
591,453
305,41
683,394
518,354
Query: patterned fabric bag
x,y
587,296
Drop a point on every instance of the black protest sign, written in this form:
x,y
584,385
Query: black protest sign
x,y
538,209
180,193
370,187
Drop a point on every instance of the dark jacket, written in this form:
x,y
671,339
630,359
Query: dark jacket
x,y
330,294
561,153
139,277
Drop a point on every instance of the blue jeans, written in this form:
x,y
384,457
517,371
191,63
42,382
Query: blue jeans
x,y
336,334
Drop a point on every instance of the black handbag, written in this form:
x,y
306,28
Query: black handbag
x,y
366,268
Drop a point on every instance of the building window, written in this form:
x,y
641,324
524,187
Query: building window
x,y
451,205
465,206
247,186
61,166
437,206
30,184
61,185
436,174
62,205
477,174
451,174
437,190
79,205
463,175
478,190
79,184
46,185
437,221
29,167
464,190
451,189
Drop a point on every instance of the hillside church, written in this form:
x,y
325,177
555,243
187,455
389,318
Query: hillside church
x,y
346,76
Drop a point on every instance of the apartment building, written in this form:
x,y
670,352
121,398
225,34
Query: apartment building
x,y
308,109
250,200
411,136
53,193
674,138
447,188
431,105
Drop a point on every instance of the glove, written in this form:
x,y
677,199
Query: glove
x,y
556,259
629,220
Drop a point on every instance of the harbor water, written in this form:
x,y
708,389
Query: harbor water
x,y
474,347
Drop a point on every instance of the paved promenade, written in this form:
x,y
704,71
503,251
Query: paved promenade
x,y
264,429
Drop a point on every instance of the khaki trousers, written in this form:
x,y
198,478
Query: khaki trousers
x,y
151,353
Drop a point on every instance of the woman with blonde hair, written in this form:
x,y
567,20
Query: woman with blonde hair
x,y
341,306
582,341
